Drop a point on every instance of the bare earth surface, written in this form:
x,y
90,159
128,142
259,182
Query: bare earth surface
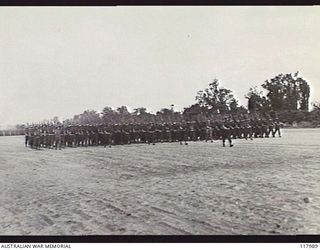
x,y
256,187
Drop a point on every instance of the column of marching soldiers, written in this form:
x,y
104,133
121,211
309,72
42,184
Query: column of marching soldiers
x,y
60,136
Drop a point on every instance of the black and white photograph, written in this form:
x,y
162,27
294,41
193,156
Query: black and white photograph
x,y
160,120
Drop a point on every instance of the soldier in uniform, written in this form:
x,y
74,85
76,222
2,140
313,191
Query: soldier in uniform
x,y
173,132
180,133
57,137
166,131
185,127
264,129
37,135
216,131
108,136
158,133
270,127
50,137
276,128
27,136
209,132
248,130
193,136
151,134
226,133
63,137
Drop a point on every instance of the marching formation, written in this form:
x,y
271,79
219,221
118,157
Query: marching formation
x,y
59,136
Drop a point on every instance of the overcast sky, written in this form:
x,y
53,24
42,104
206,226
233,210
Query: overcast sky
x,y
60,61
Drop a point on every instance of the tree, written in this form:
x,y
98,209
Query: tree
x,y
124,114
139,111
123,110
287,92
55,120
165,114
88,117
256,101
109,115
68,122
316,106
141,115
194,112
216,99
315,113
304,94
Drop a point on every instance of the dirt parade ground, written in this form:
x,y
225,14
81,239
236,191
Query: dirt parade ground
x,y
264,186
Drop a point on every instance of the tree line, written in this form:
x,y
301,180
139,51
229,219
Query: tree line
x,y
286,95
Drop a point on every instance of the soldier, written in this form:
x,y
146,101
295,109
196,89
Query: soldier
x,y
108,136
209,132
233,129
167,133
277,128
255,128
116,135
50,137
126,134
193,136
180,133
31,137
132,134
248,130
216,131
264,129
202,131
63,137
70,137
197,129
101,138
151,134
77,134
226,133
173,132
270,127
237,129
86,136
242,126
158,133
37,135
57,137
27,136
185,133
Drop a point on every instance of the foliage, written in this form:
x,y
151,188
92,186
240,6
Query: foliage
x,y
288,92
257,102
216,99
87,117
287,98
316,106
